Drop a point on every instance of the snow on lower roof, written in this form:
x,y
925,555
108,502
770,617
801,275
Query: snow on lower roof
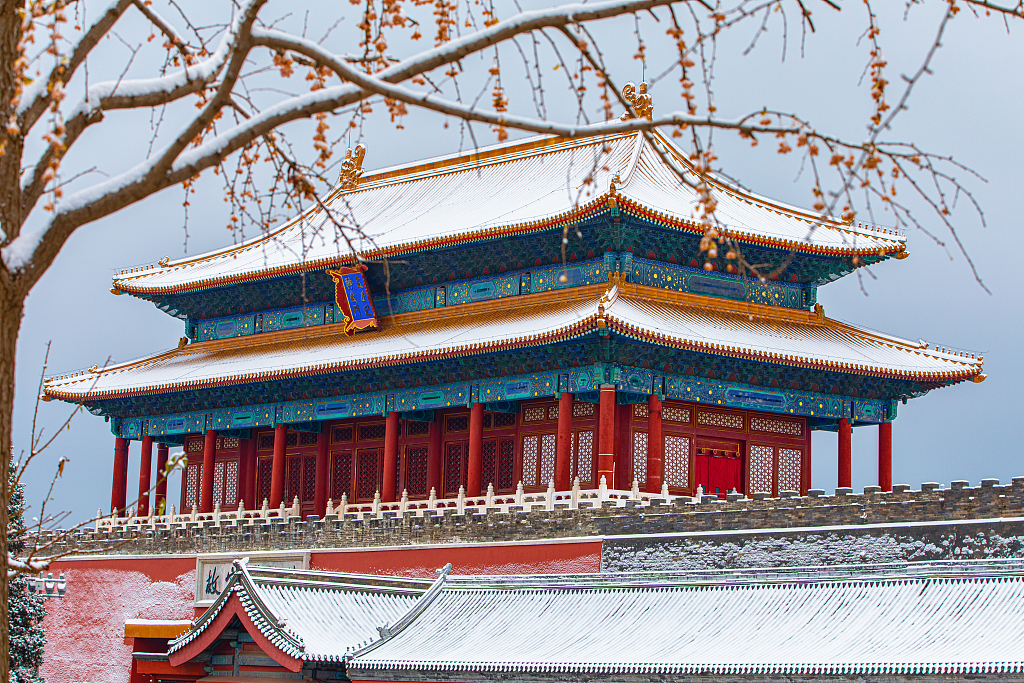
x,y
504,190
916,618
685,321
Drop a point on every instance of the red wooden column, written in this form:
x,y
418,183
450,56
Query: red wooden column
x,y
434,454
563,443
885,456
476,449
119,484
244,472
277,468
623,447
145,475
209,456
320,489
387,494
160,499
606,436
844,453
655,444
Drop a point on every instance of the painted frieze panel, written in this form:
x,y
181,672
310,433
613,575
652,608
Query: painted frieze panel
x,y
520,387
290,318
240,418
225,328
722,393
421,299
569,275
332,409
482,289
428,398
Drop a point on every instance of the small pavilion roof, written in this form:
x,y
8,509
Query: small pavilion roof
x,y
303,615
509,189
684,321
952,617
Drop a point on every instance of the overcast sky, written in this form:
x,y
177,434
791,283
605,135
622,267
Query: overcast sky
x,y
971,108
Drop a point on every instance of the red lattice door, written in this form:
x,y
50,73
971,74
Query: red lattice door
x,y
453,468
416,471
497,464
718,466
369,467
538,460
300,482
264,473
341,476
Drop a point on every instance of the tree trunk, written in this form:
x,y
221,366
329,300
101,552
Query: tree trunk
x,y
11,307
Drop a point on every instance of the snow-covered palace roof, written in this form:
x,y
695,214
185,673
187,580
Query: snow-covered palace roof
x,y
677,320
924,618
510,189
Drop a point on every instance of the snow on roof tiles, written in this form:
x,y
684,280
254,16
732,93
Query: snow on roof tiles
x,y
503,190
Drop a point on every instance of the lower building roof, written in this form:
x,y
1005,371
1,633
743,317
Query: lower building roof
x,y
953,617
685,321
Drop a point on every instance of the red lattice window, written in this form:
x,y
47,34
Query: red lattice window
x,y
639,458
776,426
372,432
488,463
456,423
583,458
342,434
506,465
640,410
368,473
293,482
530,454
308,479
341,475
415,428
266,441
416,470
675,414
761,466
218,482
195,445
229,443
193,475
231,484
264,473
504,420
677,461
553,412
487,420
308,438
789,469
538,459
581,409
454,467
722,420
533,413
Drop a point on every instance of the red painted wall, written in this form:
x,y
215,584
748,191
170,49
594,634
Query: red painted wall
x,y
85,629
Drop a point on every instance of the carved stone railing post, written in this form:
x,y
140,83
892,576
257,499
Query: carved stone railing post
x,y
265,510
490,494
376,503
344,504
575,500
549,504
460,501
519,493
330,507
664,490
432,501
602,489
195,512
216,514
635,491
404,503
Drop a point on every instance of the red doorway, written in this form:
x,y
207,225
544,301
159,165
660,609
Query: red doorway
x,y
719,466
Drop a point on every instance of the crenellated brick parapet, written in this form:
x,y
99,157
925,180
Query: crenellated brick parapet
x,y
553,517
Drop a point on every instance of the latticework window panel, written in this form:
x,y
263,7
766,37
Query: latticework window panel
x,y
506,465
547,459
776,426
341,475
504,420
530,444
552,412
372,432
582,465
264,475
640,457
675,414
416,428
533,414
582,409
726,420
218,482
367,473
761,466
416,470
789,469
266,441
308,438
454,468
488,462
195,446
291,439
293,486
193,475
230,443
676,462
640,410
231,484
456,423
308,479
342,434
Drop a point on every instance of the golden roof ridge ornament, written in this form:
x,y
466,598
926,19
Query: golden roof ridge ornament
x,y
352,168
640,101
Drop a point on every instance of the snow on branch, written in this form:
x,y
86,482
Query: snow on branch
x,y
31,566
